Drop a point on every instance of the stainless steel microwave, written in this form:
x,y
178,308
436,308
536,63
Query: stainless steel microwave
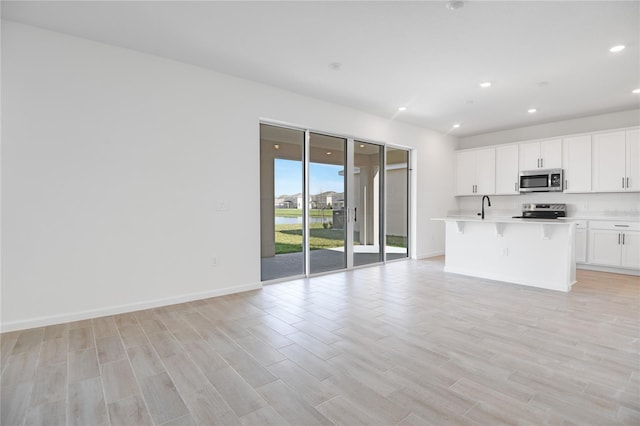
x,y
549,180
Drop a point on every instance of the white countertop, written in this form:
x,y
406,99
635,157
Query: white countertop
x,y
605,218
501,220
504,214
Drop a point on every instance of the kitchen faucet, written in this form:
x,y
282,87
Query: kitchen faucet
x,y
488,205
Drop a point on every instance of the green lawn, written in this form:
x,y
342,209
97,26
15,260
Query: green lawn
x,y
396,241
289,238
328,213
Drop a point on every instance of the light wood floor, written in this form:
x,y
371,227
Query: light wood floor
x,y
403,344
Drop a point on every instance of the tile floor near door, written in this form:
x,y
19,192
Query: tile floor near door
x,y
400,344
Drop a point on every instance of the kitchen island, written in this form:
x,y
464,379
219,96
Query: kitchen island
x,y
532,252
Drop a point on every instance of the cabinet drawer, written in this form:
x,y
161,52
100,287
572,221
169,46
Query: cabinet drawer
x,y
614,225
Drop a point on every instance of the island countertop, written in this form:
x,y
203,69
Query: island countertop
x,y
561,221
532,252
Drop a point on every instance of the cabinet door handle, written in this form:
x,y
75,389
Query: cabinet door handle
x,y
618,239
566,184
515,186
622,239
621,226
623,183
538,163
542,162
627,183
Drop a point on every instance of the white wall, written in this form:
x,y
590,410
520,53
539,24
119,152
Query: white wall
x,y
557,128
611,205
114,161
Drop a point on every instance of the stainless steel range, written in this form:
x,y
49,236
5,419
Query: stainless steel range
x,y
542,211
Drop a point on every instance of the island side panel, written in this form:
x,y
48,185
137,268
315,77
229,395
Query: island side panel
x,y
520,255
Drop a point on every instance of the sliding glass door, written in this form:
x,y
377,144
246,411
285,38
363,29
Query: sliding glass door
x,y
367,203
397,207
329,203
281,202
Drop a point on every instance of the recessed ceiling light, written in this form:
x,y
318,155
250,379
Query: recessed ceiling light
x,y
276,146
616,49
403,108
328,152
485,84
455,4
361,145
636,91
532,110
455,126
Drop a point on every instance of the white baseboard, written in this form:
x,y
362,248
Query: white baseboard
x,y
120,309
599,268
428,255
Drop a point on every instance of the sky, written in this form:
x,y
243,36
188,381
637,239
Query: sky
x,y
322,177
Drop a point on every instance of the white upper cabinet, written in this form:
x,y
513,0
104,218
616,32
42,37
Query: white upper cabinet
x,y
633,160
609,160
576,162
475,172
507,169
597,162
616,161
529,156
541,155
551,154
486,171
465,173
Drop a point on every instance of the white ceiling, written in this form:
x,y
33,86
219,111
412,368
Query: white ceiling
x,y
552,55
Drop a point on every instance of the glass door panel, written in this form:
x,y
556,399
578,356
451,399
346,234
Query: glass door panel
x,y
366,206
397,203
281,202
327,203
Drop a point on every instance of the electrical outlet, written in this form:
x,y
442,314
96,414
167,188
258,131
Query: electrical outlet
x,y
505,251
222,206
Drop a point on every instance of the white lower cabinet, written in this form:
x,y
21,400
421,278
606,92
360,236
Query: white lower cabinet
x,y
614,244
605,247
581,245
631,250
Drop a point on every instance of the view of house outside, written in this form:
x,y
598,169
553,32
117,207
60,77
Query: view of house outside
x,y
326,209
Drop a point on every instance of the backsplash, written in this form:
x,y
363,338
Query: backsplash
x,y
623,205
